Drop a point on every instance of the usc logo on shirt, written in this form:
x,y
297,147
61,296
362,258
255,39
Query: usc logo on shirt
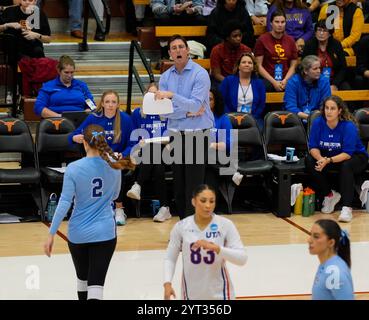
x,y
279,50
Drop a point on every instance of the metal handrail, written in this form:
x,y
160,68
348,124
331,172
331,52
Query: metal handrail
x,y
88,6
133,71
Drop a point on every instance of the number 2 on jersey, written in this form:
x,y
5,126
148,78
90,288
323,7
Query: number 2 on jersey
x,y
97,186
196,256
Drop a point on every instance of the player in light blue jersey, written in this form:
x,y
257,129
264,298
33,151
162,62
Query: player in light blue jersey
x,y
333,280
93,182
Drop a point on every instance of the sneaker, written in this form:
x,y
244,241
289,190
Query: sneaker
x,y
162,215
330,202
346,214
134,192
120,217
237,178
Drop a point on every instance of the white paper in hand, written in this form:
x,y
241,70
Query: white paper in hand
x,y
152,106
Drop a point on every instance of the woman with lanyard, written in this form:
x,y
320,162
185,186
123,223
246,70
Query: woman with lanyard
x,y
243,91
331,55
307,89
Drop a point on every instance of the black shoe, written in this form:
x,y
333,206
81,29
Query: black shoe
x,y
99,36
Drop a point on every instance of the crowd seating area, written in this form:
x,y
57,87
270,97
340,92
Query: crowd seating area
x,y
38,177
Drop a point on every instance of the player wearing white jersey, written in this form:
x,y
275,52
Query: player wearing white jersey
x,y
93,184
206,241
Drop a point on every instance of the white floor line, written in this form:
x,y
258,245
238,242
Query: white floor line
x,y
270,270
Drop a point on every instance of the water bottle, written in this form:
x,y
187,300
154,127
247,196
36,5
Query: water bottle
x,y
312,202
9,98
51,206
155,204
306,203
298,204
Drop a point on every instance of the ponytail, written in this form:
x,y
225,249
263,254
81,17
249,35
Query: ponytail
x,y
94,135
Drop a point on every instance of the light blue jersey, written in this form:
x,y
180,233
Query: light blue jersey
x,y
333,281
94,185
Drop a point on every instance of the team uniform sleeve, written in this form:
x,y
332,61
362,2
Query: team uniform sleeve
x,y
172,253
42,101
290,97
233,250
79,130
65,201
345,290
314,134
350,134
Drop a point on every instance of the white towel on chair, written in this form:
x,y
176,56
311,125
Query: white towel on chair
x,y
295,190
364,192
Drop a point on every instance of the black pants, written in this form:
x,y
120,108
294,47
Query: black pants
x,y
156,171
122,186
347,171
91,260
187,176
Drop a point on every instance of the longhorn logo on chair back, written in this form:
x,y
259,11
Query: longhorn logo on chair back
x,y
238,118
282,117
9,124
56,123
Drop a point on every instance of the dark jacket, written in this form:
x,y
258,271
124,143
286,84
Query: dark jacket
x,y
336,53
218,19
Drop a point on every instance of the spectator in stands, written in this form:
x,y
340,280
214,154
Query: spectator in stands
x,y
362,64
118,127
30,34
332,246
314,8
182,12
64,93
224,55
243,91
335,143
151,168
276,54
229,10
209,5
298,21
351,22
75,18
331,55
307,89
187,84
257,10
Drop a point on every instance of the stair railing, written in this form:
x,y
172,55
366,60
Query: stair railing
x,y
132,71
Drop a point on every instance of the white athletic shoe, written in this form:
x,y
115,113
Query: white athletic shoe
x,y
330,202
237,178
162,215
346,214
120,217
134,192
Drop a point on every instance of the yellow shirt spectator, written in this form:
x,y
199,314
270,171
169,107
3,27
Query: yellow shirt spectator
x,y
356,28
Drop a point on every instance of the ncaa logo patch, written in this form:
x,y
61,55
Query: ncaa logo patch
x,y
213,227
